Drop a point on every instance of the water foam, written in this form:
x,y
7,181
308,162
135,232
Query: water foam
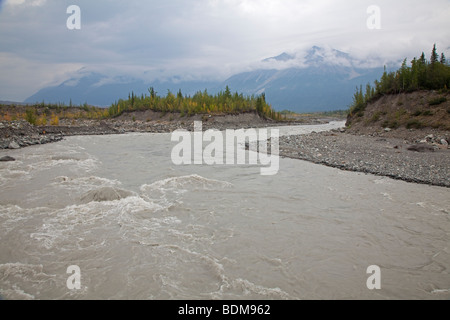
x,y
16,278
68,227
13,171
169,192
193,181
84,165
227,286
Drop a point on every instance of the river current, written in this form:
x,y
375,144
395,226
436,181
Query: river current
x,y
140,227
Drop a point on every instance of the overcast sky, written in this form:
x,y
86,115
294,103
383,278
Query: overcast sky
x,y
200,39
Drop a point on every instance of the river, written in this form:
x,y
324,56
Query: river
x,y
140,227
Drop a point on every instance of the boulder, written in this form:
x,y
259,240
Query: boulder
x,y
444,142
105,194
421,148
7,159
13,145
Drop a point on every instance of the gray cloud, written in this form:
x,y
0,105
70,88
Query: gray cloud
x,y
204,38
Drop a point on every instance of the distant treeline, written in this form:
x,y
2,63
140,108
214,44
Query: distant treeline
x,y
421,75
200,103
42,114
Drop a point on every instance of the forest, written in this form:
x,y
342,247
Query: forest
x,y
421,74
200,103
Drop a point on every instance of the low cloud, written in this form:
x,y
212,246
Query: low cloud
x,y
34,3
206,39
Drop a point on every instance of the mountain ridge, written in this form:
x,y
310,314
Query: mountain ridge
x,y
321,80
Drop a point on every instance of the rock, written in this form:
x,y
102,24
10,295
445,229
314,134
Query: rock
x,y
421,148
388,130
7,159
444,142
105,194
13,145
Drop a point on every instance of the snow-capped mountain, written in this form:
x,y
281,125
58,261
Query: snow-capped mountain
x,y
322,79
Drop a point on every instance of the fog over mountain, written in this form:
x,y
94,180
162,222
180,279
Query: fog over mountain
x,y
322,79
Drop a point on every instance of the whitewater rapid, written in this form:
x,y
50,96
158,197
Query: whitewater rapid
x,y
140,227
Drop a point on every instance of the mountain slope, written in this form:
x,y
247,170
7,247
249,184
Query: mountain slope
x,y
304,90
321,80
99,90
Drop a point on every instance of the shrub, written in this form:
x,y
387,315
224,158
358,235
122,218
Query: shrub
x,y
414,124
394,125
391,124
400,113
54,120
438,125
427,113
417,113
375,117
30,116
41,121
7,117
437,101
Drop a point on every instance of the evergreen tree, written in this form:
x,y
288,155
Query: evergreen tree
x,y
152,92
404,76
433,75
414,75
227,92
434,56
443,60
422,71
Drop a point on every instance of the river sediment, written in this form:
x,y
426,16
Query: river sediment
x,y
425,160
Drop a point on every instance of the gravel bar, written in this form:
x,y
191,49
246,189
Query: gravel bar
x,y
388,157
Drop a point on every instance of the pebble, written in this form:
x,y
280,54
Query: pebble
x,y
371,155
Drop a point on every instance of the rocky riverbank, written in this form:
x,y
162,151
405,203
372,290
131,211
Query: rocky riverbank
x,y
421,156
19,134
424,160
